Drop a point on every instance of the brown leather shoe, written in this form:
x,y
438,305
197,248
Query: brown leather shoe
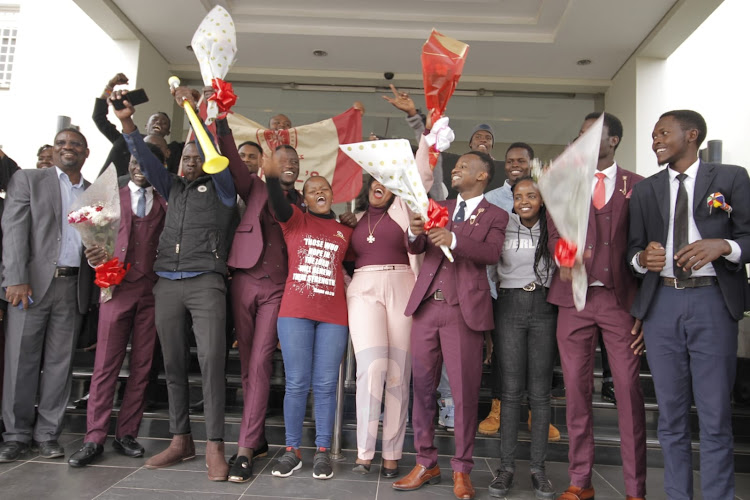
x,y
180,449
218,470
418,476
462,487
576,493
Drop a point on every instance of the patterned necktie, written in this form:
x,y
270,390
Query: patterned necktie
x,y
600,193
461,214
140,210
680,232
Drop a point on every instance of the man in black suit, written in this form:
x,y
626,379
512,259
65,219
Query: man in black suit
x,y
691,256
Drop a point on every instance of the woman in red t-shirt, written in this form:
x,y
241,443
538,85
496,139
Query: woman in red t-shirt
x,y
312,324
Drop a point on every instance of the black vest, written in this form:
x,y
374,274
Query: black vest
x,y
197,229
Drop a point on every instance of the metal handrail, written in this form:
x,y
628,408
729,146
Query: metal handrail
x,y
346,370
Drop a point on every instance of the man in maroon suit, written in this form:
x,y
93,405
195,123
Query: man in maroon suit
x,y
258,258
131,310
612,288
451,307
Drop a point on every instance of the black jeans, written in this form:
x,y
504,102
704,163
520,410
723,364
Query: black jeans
x,y
525,324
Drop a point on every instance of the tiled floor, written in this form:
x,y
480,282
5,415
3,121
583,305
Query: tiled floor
x,y
117,477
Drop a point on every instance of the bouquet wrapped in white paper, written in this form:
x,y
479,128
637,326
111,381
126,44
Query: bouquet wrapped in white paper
x,y
566,190
96,217
215,46
393,165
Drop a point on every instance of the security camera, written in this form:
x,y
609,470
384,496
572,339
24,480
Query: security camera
x,y
388,75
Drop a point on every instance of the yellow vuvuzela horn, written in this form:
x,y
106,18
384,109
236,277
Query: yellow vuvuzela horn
x,y
214,163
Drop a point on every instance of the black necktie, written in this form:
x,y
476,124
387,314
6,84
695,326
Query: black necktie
x,y
461,214
680,233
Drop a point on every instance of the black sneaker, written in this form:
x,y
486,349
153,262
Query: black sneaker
x,y
542,486
608,392
288,463
241,470
322,468
502,483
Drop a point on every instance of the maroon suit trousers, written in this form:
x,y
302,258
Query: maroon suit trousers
x,y
130,310
577,334
439,334
255,305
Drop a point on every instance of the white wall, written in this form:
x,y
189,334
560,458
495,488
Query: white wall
x,y
709,73
704,74
63,61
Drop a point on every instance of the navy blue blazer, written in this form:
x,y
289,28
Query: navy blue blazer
x,y
649,221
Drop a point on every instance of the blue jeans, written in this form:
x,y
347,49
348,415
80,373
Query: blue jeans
x,y
312,354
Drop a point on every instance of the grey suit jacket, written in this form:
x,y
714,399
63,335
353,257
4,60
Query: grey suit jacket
x,y
32,234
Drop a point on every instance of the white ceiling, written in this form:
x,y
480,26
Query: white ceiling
x,y
514,44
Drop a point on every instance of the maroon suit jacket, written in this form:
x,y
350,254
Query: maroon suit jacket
x,y
248,243
478,245
625,283
126,222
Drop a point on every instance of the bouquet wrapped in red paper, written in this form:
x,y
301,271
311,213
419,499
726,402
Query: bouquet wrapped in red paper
x,y
96,216
443,61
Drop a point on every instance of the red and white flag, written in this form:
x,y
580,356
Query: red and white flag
x,y
318,147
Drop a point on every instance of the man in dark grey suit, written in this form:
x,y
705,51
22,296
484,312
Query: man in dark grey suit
x,y
48,289
691,255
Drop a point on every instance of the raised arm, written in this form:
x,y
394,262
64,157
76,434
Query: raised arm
x,y
403,102
280,205
222,180
151,167
107,128
243,179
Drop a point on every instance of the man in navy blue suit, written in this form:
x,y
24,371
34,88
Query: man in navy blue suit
x,y
691,256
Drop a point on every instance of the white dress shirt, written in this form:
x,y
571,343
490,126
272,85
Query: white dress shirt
x,y
70,245
135,195
471,205
693,233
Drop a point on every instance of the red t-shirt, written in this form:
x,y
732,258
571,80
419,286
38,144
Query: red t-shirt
x,y
315,285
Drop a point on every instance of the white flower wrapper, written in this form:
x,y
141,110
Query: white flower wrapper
x,y
392,163
99,227
566,190
215,46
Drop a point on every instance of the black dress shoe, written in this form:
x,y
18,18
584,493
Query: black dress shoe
x,y
259,452
128,446
241,470
81,404
608,392
10,451
389,473
51,449
88,452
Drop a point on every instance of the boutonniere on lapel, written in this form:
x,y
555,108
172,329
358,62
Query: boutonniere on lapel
x,y
473,218
716,200
624,189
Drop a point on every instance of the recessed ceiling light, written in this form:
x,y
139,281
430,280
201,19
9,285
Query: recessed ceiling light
x,y
320,53
583,62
